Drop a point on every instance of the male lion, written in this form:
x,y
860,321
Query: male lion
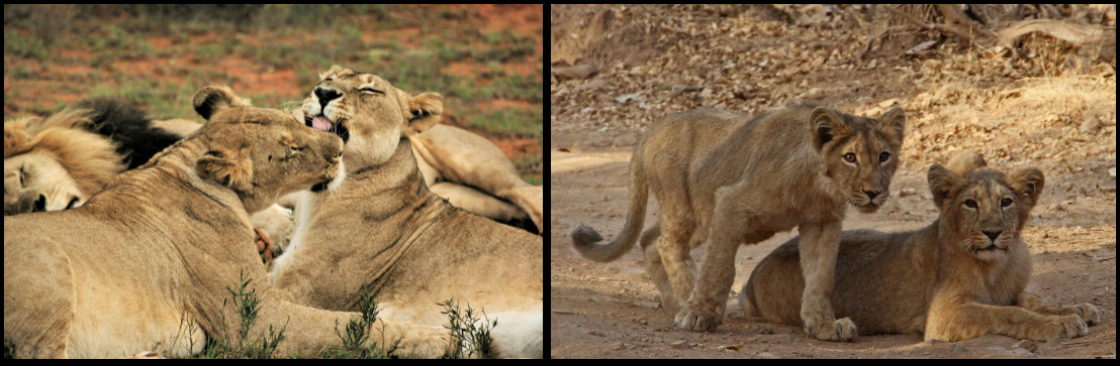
x,y
383,226
959,278
731,179
58,162
55,163
160,245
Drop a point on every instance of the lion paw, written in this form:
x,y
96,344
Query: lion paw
x,y
1088,313
839,330
698,318
425,342
1068,326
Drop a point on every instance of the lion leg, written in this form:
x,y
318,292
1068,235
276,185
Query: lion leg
x,y
819,246
656,268
705,306
672,264
309,331
1086,311
952,321
477,202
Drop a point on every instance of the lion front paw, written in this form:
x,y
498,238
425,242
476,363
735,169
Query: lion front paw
x,y
425,342
839,330
699,317
1068,326
1088,313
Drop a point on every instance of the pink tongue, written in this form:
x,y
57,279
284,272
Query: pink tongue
x,y
321,123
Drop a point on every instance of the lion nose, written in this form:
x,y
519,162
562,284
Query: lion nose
x,y
992,234
871,194
40,204
326,95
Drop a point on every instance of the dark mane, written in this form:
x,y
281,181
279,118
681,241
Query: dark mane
x,y
129,127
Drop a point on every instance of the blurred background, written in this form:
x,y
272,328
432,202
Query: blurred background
x,y
486,60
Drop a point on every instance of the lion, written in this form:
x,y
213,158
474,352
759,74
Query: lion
x,y
959,278
471,173
55,163
729,179
58,162
158,249
383,226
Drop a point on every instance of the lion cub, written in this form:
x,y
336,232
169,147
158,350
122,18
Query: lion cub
x,y
732,179
959,278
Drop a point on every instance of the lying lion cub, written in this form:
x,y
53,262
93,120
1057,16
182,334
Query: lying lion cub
x,y
959,278
160,246
732,179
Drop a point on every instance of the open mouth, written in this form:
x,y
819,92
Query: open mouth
x,y
320,187
324,124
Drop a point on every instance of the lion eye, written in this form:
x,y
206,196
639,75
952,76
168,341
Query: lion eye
x,y
298,148
849,157
970,203
21,174
884,156
372,90
1006,202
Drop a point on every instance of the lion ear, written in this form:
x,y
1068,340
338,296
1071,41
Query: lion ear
x,y
893,123
942,182
214,98
229,167
1027,183
423,112
826,125
966,161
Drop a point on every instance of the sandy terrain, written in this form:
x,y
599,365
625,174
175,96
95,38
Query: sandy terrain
x,y
1062,122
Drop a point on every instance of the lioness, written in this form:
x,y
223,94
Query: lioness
x,y
159,247
959,278
383,226
745,179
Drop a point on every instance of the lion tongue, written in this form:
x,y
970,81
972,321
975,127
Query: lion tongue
x,y
321,123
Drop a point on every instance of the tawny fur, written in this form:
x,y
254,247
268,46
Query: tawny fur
x,y
57,158
159,247
382,226
731,179
950,280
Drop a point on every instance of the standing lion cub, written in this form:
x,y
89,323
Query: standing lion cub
x,y
959,278
732,179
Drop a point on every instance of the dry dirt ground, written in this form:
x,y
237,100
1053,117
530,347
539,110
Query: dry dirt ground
x,y
1055,110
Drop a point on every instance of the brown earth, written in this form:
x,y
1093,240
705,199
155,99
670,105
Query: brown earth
x,y
1055,110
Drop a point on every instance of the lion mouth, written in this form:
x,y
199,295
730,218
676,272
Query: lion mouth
x,y
320,187
991,248
869,207
323,123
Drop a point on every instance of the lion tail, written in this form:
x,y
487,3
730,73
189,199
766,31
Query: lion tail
x,y
585,239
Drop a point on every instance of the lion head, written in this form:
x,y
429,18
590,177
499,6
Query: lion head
x,y
368,113
861,153
55,163
984,210
262,172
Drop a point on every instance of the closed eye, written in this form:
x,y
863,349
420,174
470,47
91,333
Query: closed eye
x,y
372,90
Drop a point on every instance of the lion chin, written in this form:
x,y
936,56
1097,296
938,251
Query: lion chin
x,y
867,208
